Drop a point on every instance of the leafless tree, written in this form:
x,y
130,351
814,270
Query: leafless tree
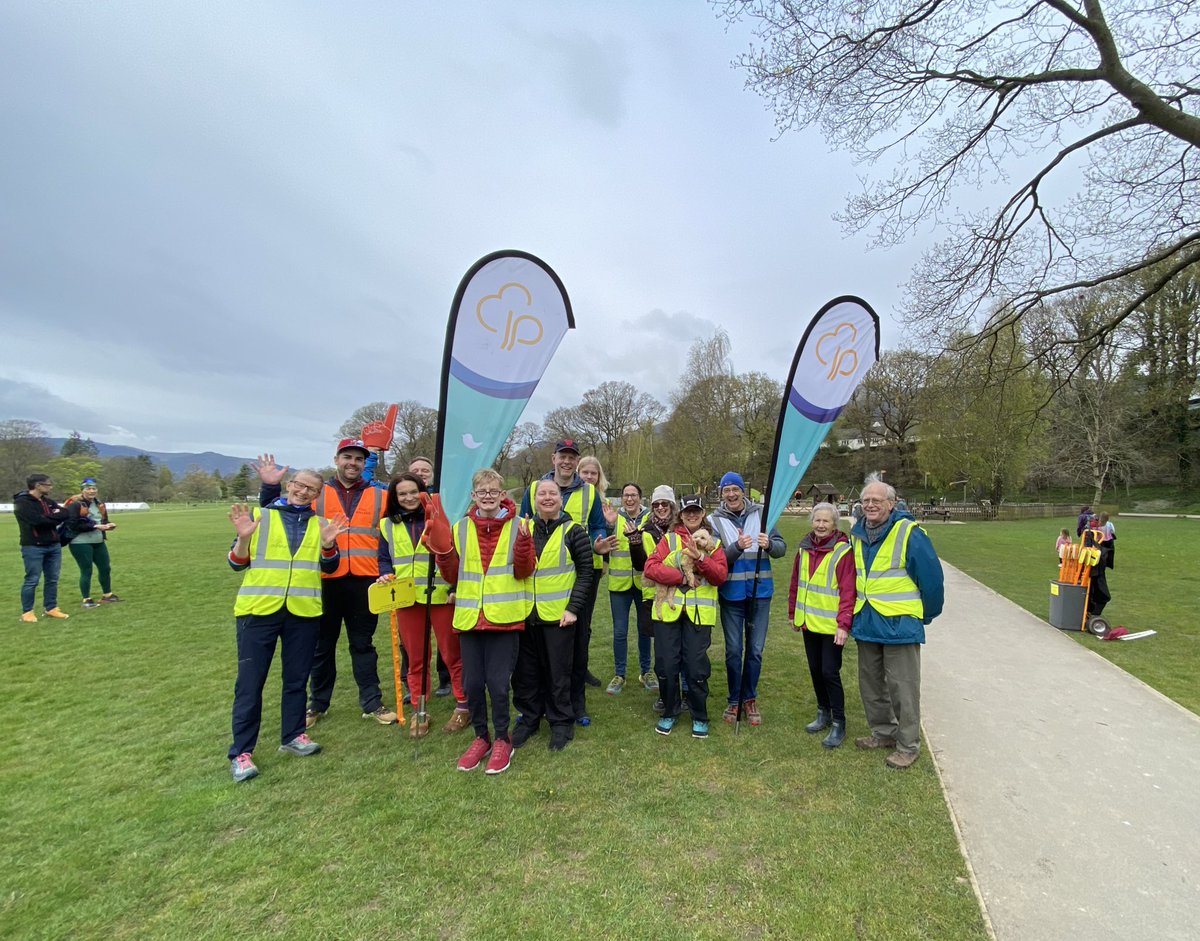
x,y
23,445
1090,105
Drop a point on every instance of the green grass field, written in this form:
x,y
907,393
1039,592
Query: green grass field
x,y
120,819
1153,586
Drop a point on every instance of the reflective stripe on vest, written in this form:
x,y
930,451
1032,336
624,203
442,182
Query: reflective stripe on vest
x,y
818,598
887,586
621,574
502,598
414,562
275,576
554,577
700,602
742,569
360,545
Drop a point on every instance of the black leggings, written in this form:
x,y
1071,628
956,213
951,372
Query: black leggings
x,y
86,555
825,668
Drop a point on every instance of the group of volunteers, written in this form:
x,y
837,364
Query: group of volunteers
x,y
81,524
508,592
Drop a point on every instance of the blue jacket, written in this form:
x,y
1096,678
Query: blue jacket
x,y
923,567
742,563
295,524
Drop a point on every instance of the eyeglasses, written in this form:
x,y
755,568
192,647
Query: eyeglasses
x,y
657,503
872,501
307,488
488,493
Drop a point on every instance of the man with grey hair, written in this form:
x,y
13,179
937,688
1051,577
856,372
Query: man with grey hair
x,y
898,578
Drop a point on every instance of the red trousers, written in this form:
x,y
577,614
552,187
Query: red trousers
x,y
411,622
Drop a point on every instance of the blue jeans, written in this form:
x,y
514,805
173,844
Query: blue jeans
x,y
41,561
619,602
734,615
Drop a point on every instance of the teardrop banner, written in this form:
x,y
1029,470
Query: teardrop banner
x,y
509,314
839,346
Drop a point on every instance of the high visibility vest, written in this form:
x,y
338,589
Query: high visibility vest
x,y
887,586
578,506
554,576
502,597
700,602
649,544
414,562
621,576
276,577
818,597
360,544
750,564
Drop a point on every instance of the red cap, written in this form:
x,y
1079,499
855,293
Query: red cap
x,y
348,444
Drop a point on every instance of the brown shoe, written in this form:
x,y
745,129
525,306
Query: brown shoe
x,y
381,714
418,728
459,720
311,718
871,741
900,759
57,614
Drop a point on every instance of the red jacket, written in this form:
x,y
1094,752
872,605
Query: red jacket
x,y
847,591
488,530
714,567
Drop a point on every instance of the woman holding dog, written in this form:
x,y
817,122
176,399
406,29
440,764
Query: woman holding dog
x,y
684,619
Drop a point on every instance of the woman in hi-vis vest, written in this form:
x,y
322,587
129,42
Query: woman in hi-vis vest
x,y
401,555
488,558
821,603
283,548
683,622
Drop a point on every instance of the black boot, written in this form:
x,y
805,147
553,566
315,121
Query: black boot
x,y
836,735
820,723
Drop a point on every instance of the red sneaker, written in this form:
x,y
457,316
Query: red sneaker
x,y
501,757
474,755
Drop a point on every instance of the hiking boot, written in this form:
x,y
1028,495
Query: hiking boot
x,y
699,729
312,717
418,727
89,603
659,706
650,682
381,714
615,685
730,713
110,598
459,720
664,726
560,737
752,712
57,613
522,733
591,679
501,757
474,754
443,691
242,768
836,735
29,617
901,760
871,741
301,745
820,723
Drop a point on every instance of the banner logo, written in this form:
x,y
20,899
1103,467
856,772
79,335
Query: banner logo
x,y
512,321
830,352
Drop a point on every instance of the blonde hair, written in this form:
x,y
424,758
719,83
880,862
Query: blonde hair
x,y
486,475
589,461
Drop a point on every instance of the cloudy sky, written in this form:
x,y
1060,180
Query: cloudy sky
x,y
224,226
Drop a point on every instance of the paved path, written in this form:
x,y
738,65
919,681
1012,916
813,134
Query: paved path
x,y
1075,786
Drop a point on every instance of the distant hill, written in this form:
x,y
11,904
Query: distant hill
x,y
178,461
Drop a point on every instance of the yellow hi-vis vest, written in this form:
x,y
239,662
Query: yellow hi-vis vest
x,y
503,598
817,599
649,543
887,585
621,576
276,577
554,576
414,562
700,602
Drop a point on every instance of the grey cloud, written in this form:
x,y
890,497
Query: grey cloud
x,y
36,403
594,73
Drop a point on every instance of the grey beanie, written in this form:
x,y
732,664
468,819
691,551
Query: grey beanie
x,y
663,492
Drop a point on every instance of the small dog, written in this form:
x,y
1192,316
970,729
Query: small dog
x,y
702,539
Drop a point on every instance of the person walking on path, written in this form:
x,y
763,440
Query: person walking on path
x,y
402,555
283,548
746,594
684,621
821,604
898,580
344,591
88,527
625,591
38,518
561,584
488,558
